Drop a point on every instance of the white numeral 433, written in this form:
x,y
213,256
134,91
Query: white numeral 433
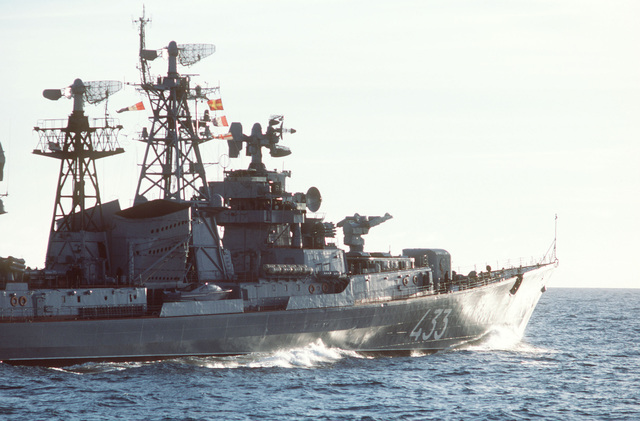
x,y
425,330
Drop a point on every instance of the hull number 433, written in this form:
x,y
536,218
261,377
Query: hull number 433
x,y
433,324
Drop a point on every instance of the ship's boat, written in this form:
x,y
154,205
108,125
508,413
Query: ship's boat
x,y
158,280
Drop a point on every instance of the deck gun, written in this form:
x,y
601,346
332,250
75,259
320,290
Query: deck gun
x,y
354,227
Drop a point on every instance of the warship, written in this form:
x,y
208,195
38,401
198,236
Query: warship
x,y
235,266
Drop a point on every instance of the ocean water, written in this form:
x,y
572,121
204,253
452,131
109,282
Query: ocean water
x,y
579,359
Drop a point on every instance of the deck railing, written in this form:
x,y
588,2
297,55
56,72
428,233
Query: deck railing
x,y
462,283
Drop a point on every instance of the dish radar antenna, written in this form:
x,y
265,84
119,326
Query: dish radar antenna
x,y
77,226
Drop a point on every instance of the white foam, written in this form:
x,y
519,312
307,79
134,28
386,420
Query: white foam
x,y
499,338
106,367
502,338
311,356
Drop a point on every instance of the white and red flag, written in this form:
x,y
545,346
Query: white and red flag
x,y
134,107
220,121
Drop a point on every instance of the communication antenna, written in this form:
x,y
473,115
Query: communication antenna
x,y
81,92
555,240
77,145
142,21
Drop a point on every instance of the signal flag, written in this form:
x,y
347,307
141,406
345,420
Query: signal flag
x,y
220,121
215,104
227,136
135,107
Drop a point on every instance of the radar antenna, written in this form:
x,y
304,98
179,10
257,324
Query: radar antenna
x,y
91,92
190,54
78,207
99,91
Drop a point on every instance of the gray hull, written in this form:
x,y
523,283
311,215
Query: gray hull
x,y
432,322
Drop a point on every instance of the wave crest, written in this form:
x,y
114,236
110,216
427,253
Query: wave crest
x,y
313,355
502,338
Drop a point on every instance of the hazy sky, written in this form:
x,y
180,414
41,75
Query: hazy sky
x,y
472,122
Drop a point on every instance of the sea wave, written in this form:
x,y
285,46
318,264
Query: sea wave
x,y
101,367
313,355
502,338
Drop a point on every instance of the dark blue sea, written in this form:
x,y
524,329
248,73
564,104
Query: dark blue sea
x,y
579,359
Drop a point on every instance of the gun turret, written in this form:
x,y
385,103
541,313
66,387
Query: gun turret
x,y
354,227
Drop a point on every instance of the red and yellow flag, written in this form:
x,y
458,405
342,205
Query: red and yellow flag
x,y
215,104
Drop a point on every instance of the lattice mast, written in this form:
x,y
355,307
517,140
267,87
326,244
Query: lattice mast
x,y
78,206
78,146
172,167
